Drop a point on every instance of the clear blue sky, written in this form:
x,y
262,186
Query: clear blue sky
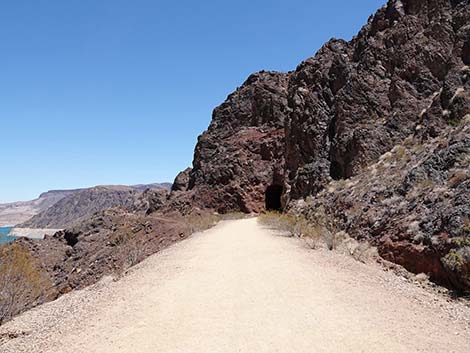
x,y
117,91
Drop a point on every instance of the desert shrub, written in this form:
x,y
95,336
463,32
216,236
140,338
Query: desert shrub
x,y
134,253
232,216
400,152
457,178
363,252
288,224
200,222
426,184
295,226
408,141
453,260
21,280
333,239
320,231
460,242
120,238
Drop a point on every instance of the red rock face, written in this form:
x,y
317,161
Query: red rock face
x,y
340,110
242,152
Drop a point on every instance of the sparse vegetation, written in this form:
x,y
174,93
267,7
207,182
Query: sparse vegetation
x,y
293,226
135,253
363,251
21,280
453,260
400,152
457,178
460,242
317,234
201,222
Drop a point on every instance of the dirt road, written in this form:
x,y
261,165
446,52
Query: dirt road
x,y
240,288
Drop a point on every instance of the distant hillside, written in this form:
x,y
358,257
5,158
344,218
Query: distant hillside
x,y
18,212
21,213
84,203
166,186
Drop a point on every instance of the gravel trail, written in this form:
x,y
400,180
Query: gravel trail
x,y
239,287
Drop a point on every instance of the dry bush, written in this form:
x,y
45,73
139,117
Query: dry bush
x,y
201,222
233,216
318,232
364,252
293,226
21,280
457,178
333,239
134,253
400,152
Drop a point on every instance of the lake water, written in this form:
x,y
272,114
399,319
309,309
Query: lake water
x,y
3,235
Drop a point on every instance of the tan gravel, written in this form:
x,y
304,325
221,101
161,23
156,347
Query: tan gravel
x,y
240,288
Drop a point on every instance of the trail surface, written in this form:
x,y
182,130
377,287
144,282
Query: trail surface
x,y
240,288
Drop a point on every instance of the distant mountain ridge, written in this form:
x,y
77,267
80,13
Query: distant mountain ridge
x,y
21,212
13,213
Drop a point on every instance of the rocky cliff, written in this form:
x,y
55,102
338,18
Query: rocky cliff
x,y
242,151
352,102
340,110
281,138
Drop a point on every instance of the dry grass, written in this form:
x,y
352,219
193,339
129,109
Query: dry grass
x,y
296,226
21,280
200,222
318,233
457,178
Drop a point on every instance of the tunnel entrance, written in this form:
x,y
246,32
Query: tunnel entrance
x,y
273,198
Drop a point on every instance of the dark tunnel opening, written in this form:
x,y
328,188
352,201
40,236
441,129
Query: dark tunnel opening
x,y
273,198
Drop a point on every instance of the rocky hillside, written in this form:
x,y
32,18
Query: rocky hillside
x,y
413,205
106,243
280,138
80,205
17,212
354,101
241,152
338,111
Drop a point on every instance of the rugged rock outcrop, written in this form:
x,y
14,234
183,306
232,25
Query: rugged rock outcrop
x,y
339,110
404,76
181,182
150,201
355,100
242,152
